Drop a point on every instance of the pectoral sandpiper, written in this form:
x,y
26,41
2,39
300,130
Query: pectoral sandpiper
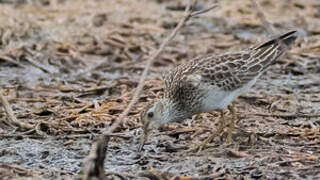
x,y
212,82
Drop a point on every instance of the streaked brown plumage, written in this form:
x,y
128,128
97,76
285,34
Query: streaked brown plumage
x,y
212,82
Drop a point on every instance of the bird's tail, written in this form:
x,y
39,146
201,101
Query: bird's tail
x,y
287,39
267,53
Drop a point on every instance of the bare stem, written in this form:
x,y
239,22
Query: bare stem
x,y
267,25
104,137
189,14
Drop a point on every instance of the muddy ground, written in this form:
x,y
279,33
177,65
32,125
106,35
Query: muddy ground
x,y
70,67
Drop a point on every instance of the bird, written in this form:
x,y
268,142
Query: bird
x,y
211,83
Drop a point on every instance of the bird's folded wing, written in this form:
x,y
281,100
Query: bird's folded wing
x,y
227,71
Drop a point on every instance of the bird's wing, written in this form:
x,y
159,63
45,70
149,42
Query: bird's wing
x,y
222,71
227,71
234,70
262,56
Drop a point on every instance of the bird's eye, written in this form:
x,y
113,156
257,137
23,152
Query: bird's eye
x,y
150,114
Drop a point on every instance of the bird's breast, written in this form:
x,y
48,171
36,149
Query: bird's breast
x,y
215,98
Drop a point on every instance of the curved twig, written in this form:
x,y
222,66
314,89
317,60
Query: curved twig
x,y
89,171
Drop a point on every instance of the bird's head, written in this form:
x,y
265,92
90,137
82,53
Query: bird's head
x,y
162,111
158,113
154,115
151,117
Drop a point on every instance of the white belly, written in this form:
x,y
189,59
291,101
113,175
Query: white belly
x,y
217,99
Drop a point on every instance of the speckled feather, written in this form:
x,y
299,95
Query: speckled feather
x,y
227,72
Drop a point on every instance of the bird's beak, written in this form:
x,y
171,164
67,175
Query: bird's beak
x,y
144,136
143,139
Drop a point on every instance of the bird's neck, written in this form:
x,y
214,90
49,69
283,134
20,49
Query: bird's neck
x,y
175,112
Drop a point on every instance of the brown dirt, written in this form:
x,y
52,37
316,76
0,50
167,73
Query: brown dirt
x,y
70,68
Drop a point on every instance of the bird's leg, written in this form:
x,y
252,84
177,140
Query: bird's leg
x,y
231,125
214,134
221,124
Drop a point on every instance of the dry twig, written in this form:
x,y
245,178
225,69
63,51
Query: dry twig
x,y
150,60
269,28
93,168
101,142
267,25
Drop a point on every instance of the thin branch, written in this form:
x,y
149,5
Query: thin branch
x,y
145,72
92,166
268,26
12,120
189,14
203,11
